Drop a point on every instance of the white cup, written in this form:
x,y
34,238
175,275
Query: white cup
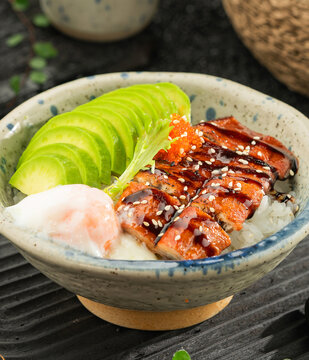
x,y
99,20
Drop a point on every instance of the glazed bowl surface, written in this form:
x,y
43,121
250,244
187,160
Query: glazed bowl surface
x,y
158,285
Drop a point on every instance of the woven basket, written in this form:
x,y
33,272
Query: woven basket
x,y
277,33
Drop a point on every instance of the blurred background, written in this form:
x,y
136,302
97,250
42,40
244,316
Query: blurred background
x,y
40,320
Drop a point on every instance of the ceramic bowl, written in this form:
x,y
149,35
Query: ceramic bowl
x,y
99,20
159,285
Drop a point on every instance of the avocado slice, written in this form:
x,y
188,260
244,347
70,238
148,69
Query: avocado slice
x,y
87,168
119,123
88,122
83,139
163,99
44,172
180,99
128,110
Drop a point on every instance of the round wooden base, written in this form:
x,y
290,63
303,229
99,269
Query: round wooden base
x,y
154,320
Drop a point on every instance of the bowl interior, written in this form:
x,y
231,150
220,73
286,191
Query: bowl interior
x,y
210,97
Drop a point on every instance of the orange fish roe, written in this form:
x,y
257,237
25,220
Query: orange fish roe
x,y
187,140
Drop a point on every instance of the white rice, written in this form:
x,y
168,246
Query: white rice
x,y
270,217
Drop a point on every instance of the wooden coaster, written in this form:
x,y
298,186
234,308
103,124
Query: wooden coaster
x,y
154,320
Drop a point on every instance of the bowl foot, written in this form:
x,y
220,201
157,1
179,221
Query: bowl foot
x,y
154,320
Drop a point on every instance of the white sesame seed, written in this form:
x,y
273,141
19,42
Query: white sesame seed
x,y
225,169
182,197
181,180
259,171
193,147
266,167
292,173
224,175
175,197
184,134
167,207
239,152
196,131
241,147
195,197
245,162
185,188
231,184
182,206
126,208
175,121
215,172
212,209
200,133
176,218
146,223
253,142
189,159
238,184
177,237
202,140
205,242
120,207
181,150
200,163
231,172
160,224
159,212
196,167
201,228
259,153
204,192
248,147
136,202
212,160
208,162
147,183
154,222
224,147
170,139
184,169
256,138
184,118
211,198
212,151
237,189
176,207
289,196
144,201
165,176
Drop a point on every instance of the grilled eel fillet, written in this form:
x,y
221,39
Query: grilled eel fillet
x,y
185,211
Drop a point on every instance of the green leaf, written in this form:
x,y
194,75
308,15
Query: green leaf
x,y
15,83
153,140
37,63
40,20
14,40
38,77
20,5
45,49
181,355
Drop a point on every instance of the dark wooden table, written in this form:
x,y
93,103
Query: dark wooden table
x,y
39,319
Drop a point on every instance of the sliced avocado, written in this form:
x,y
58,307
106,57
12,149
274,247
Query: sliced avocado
x,y
164,100
126,109
150,114
88,122
83,139
180,99
119,123
87,168
44,172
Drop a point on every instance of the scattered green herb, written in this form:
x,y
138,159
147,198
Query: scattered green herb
x,y
20,5
40,20
38,77
15,83
37,63
45,50
14,40
181,355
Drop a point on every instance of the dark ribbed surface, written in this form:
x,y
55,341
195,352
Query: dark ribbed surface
x,y
39,320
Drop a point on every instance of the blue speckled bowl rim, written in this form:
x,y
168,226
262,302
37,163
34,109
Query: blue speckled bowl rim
x,y
296,229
